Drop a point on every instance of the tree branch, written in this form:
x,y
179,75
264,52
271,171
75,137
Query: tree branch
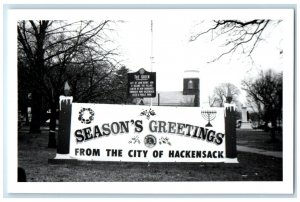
x,y
236,34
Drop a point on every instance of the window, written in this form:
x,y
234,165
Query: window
x,y
190,84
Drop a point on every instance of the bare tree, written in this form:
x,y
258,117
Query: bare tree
x,y
265,96
221,92
242,36
51,52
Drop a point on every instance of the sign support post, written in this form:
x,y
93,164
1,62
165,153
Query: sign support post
x,y
230,134
63,140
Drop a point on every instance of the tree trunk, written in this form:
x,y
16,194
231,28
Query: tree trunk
x,y
26,118
37,70
36,110
52,126
273,130
266,126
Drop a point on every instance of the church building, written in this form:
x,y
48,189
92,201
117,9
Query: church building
x,y
188,97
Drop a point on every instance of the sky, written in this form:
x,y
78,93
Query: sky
x,y
173,54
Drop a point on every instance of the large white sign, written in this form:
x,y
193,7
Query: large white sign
x,y
103,132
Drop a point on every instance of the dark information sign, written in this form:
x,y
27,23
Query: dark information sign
x,y
142,84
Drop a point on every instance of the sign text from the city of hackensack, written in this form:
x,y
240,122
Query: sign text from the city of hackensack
x,y
104,132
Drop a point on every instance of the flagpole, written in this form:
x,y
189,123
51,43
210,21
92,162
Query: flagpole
x,y
151,57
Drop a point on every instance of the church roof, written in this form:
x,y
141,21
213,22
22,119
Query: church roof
x,y
171,98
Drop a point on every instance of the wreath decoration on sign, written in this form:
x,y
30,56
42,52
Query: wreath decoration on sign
x,y
82,115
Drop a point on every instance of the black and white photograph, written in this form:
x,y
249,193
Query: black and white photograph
x,y
151,100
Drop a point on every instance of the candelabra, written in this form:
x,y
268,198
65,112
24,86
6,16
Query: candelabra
x,y
209,115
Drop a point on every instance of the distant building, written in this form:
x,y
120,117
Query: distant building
x,y
188,97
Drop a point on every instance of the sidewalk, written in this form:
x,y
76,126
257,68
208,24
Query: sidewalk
x,y
276,154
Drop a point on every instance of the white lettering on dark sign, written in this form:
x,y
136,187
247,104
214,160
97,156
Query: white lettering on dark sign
x,y
142,84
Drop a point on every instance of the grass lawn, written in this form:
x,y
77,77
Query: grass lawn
x,y
33,156
258,139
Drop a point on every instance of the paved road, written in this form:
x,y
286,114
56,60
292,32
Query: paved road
x,y
277,154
